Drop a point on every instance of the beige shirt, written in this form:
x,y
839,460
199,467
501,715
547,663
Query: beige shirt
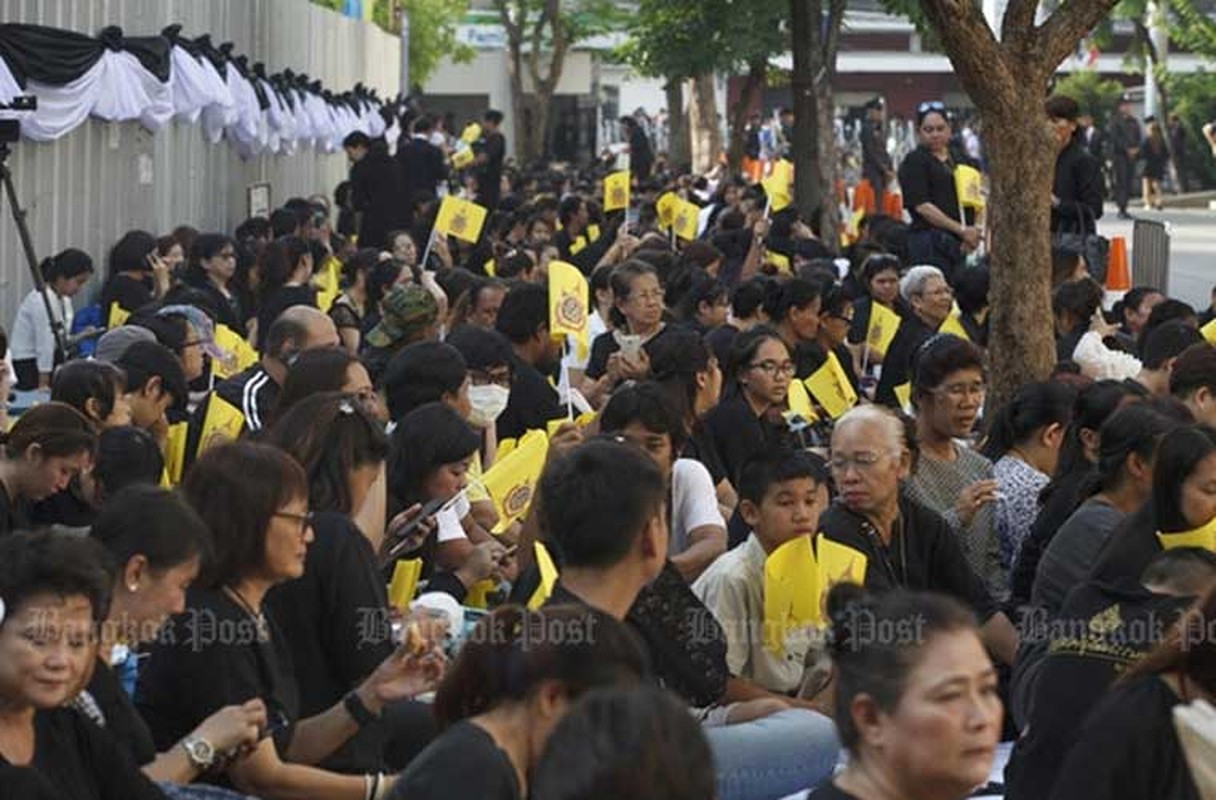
x,y
733,589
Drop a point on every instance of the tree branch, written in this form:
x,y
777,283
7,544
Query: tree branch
x,y
971,46
1018,21
832,45
1065,27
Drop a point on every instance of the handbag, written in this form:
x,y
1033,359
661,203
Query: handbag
x,y
1094,248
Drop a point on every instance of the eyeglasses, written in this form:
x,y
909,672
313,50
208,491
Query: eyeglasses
x,y
304,520
961,391
862,462
944,291
774,368
654,294
930,105
842,317
498,377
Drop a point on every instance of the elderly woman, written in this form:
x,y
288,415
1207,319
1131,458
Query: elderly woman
x,y
929,299
906,544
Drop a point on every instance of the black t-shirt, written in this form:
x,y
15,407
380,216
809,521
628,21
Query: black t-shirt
x,y
1101,630
897,365
284,298
720,339
464,761
532,404
924,178
606,344
334,620
738,434
924,554
212,656
131,294
79,761
68,508
1128,750
14,515
123,722
700,446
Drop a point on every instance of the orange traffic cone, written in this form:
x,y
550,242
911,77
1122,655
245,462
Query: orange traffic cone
x,y
1118,277
893,204
863,196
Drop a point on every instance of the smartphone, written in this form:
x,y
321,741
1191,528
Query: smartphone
x,y
404,537
631,345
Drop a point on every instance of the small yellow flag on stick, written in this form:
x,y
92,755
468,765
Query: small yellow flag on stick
x,y
616,191
685,216
883,325
460,218
569,300
969,185
831,387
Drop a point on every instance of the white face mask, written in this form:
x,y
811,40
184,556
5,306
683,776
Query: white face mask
x,y
487,402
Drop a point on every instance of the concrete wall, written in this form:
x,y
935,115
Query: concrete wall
x,y
102,179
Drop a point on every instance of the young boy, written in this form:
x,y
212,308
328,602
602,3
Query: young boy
x,y
781,495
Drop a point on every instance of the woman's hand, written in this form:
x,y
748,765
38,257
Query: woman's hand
x,y
637,369
410,671
1099,325
415,537
973,498
234,728
971,237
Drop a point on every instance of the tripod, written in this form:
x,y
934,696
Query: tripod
x,y
27,242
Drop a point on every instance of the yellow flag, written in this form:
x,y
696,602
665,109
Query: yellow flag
x,y
665,206
462,158
783,170
569,309
903,395
512,480
791,592
582,421
839,563
175,452
117,317
800,402
578,245
505,447
405,582
477,595
969,185
831,387
593,233
471,133
243,356
548,576
781,262
460,218
952,326
884,323
1209,332
686,219
777,188
222,423
616,191
1204,537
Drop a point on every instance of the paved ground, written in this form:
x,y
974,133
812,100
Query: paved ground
x,y
1192,249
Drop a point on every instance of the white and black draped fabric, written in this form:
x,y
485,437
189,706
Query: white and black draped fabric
x,y
168,77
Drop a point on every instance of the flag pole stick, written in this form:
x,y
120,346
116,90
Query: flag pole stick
x,y
569,390
426,254
865,356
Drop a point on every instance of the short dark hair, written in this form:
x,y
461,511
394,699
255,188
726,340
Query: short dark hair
x,y
1167,340
424,440
1060,106
766,469
481,348
492,116
357,139
153,522
58,429
971,288
1168,310
421,373
60,564
596,501
144,361
283,222
879,666
130,253
1186,570
77,382
524,311
648,404
1081,298
126,456
1194,369
615,742
238,510
748,297
938,357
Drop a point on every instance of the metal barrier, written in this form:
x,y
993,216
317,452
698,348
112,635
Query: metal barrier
x,y
1151,254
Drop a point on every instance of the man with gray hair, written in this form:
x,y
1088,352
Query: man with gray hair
x,y
930,299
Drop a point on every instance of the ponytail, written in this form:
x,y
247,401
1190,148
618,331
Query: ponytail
x,y
1035,406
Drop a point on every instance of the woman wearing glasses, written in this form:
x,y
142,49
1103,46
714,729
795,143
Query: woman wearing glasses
x,y
212,269
226,649
906,544
930,298
880,279
940,234
637,319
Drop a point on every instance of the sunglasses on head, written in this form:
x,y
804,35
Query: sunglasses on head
x,y
930,105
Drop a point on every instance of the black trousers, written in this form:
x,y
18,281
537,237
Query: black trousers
x,y
1124,173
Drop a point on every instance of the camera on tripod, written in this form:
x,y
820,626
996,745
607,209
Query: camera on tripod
x,y
10,129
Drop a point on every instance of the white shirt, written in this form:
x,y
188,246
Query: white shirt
x,y
595,326
32,336
733,589
694,503
448,521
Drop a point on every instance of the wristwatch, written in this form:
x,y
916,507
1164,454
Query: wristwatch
x,y
200,752
359,712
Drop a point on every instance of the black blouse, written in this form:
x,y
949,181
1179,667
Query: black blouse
x,y
464,761
925,178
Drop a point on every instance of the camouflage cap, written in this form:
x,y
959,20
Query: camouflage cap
x,y
405,312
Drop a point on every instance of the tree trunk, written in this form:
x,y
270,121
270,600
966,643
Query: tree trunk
x,y
804,29
756,73
703,117
677,127
828,162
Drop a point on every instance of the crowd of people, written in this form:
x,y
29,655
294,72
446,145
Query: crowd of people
x,y
777,541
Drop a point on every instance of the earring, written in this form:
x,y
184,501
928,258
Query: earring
x,y
131,587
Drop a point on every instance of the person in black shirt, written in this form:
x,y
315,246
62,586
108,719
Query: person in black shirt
x,y
212,270
880,282
285,270
1128,747
158,543
524,320
641,156
137,274
624,352
375,188
746,312
919,713
422,165
491,151
228,649
875,159
940,234
835,320
1101,630
906,544
1076,193
507,690
55,588
47,446
1183,472
1124,136
571,240
929,298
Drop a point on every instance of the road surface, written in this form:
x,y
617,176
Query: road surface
x,y
1192,272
